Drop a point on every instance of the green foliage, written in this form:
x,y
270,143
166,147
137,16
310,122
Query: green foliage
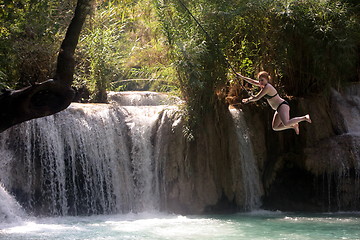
x,y
122,49
321,48
99,53
30,32
200,65
121,41
147,53
308,46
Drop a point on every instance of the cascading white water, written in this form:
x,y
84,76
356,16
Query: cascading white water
x,y
88,159
143,110
10,210
252,188
141,121
69,163
102,158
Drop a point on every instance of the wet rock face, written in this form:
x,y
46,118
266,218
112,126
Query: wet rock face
x,y
337,157
214,172
345,109
320,169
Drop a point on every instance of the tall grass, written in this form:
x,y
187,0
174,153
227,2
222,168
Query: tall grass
x,y
200,65
100,51
321,50
122,49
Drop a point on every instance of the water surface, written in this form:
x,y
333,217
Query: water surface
x,y
255,225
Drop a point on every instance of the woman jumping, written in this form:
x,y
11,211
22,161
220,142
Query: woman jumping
x,y
281,119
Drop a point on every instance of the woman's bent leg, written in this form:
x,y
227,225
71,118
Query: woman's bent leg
x,y
277,124
284,113
286,123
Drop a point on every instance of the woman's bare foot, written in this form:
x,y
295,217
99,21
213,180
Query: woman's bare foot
x,y
307,118
296,128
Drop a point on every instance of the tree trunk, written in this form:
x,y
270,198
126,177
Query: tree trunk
x,y
53,95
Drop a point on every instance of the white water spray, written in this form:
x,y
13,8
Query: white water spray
x,y
10,210
88,159
101,158
249,170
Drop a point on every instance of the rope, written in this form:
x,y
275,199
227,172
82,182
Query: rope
x,y
209,37
139,79
213,42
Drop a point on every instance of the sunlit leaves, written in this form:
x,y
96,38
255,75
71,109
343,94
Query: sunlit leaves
x,y
30,32
122,48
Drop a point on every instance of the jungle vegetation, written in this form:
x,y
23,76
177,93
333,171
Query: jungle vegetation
x,y
308,46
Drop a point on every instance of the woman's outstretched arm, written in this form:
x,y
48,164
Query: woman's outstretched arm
x,y
249,80
257,97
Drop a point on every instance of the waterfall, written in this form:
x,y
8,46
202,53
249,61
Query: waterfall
x,y
69,163
110,158
250,180
345,150
143,111
88,159
336,159
10,210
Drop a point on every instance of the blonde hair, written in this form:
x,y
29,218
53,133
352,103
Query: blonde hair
x,y
264,74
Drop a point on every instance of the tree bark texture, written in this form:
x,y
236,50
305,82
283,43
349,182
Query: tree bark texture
x,y
53,95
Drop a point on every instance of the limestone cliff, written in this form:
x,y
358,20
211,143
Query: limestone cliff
x,y
214,172
318,170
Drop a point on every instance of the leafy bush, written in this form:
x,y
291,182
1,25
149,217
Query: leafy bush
x,y
200,65
121,41
122,49
307,45
30,35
